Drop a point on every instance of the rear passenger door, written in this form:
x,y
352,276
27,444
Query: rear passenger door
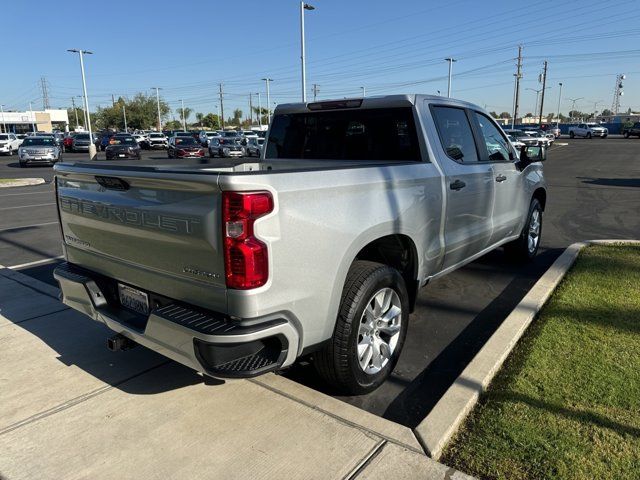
x,y
469,185
496,150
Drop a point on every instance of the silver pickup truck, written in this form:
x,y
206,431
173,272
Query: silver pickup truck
x,y
317,249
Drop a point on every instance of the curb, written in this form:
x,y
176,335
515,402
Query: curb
x,y
442,422
22,182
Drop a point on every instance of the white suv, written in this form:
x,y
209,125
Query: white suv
x,y
9,143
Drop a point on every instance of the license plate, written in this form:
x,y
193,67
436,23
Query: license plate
x,y
121,155
133,299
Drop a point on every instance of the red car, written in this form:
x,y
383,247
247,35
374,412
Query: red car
x,y
67,142
184,147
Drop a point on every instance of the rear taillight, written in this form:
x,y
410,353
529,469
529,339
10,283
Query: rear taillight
x,y
246,259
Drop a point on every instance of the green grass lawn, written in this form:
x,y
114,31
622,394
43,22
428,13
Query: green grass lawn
x,y
566,405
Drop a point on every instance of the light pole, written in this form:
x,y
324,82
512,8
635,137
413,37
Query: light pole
x,y
450,60
4,126
124,114
259,110
303,7
537,95
364,91
595,108
184,123
33,125
559,97
158,104
267,80
81,53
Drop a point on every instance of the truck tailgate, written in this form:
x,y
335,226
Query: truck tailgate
x,y
157,231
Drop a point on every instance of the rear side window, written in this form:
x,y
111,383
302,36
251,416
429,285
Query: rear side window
x,y
387,134
455,134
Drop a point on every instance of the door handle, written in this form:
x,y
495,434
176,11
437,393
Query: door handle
x,y
457,185
500,178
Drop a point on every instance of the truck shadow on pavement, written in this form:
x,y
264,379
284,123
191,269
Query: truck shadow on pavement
x,y
612,182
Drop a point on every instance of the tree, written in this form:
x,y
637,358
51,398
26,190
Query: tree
x,y
493,114
606,112
142,113
173,125
528,115
505,115
186,114
237,116
199,117
263,114
211,121
72,117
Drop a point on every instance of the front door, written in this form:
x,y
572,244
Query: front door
x,y
469,184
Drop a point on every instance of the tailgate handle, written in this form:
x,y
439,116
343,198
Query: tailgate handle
x,y
112,183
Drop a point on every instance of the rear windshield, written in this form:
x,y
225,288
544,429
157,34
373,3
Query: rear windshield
x,y
82,136
368,134
184,141
156,135
38,141
123,141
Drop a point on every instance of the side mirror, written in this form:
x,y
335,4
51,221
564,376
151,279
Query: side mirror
x,y
531,154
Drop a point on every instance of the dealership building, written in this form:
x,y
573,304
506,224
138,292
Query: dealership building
x,y
39,121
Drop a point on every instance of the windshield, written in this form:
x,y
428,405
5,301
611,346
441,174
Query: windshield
x,y
82,136
212,134
186,141
260,141
156,135
47,141
229,134
357,134
4,137
123,141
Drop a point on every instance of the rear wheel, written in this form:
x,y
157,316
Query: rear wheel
x,y
525,247
626,134
571,134
588,134
370,329
10,151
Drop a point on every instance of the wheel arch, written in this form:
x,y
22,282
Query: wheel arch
x,y
541,195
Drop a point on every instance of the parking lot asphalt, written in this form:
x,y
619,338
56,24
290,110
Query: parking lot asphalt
x,y
594,192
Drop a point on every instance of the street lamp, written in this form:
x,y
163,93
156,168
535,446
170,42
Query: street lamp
x,y
259,110
303,7
81,53
33,125
4,126
450,60
184,123
158,105
267,80
537,94
364,91
559,97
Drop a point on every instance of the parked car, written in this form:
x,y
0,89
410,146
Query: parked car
x,y
38,151
184,147
81,142
254,146
517,144
237,271
555,130
141,139
123,146
543,139
67,141
229,146
523,137
103,140
205,136
9,143
156,140
633,131
588,130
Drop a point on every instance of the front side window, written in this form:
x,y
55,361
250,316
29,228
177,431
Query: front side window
x,y
455,134
497,146
387,134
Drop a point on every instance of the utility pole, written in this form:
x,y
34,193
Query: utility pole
x,y
450,60
124,114
45,94
221,106
315,91
158,104
559,97
364,91
259,110
518,76
81,54
33,125
4,125
113,100
544,83
184,123
73,104
267,80
250,109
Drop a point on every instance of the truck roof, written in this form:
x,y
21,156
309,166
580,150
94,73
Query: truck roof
x,y
380,101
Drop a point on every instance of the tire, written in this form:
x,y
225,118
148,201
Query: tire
x,y
572,135
521,249
626,134
22,165
10,152
605,135
588,134
339,362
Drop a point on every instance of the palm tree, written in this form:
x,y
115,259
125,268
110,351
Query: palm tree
x,y
199,117
184,114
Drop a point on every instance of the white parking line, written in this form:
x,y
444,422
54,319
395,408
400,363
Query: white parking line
x,y
37,262
27,206
44,192
18,227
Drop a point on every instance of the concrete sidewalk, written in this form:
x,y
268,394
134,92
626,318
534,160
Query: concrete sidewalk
x,y
69,408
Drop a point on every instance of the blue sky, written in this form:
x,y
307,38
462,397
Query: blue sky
x,y
189,47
